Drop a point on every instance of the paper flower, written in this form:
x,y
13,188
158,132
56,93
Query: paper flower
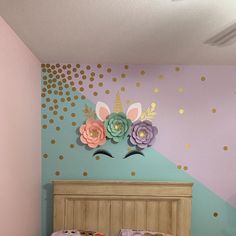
x,y
117,126
143,134
93,133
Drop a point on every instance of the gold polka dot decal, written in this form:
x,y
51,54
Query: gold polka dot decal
x,y
45,155
142,72
107,91
126,67
58,128
44,126
108,70
179,167
114,79
187,146
72,145
177,69
180,90
213,110
161,77
61,157
133,173
97,158
122,89
203,78
53,141
156,90
99,66
85,173
215,214
181,111
185,168
225,148
57,173
123,75
138,84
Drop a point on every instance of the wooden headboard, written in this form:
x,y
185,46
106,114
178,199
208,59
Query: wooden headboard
x,y
108,206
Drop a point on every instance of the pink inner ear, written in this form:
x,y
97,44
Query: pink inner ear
x,y
103,113
132,114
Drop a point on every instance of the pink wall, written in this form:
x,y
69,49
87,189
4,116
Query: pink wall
x,y
19,136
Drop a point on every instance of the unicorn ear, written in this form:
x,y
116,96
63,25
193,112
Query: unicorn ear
x,y
102,111
134,111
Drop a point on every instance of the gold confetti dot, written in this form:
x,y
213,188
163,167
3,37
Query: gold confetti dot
x,y
138,84
61,117
57,173
91,79
82,72
88,67
73,123
156,90
132,173
76,75
92,74
101,76
185,168
203,78
78,65
84,77
99,65
187,146
80,82
83,97
177,68
45,116
43,105
51,121
179,167
97,158
100,84
107,91
45,155
161,77
81,89
65,109
226,148
126,67
53,141
181,111
72,104
76,97
109,70
154,105
85,173
122,89
73,115
213,110
61,157
95,93
142,72
68,99
44,126
90,86
123,76
180,90
58,128
215,214
72,145
62,99
114,79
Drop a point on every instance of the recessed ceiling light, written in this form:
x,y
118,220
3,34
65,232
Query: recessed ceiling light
x,y
224,38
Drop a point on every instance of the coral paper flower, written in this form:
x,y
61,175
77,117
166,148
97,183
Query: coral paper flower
x,y
93,133
143,134
117,126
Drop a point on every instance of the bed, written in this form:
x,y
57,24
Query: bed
x,y
108,206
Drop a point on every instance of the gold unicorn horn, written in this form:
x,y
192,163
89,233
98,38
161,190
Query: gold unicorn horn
x,y
118,105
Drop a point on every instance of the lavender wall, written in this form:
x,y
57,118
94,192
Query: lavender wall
x,y
19,136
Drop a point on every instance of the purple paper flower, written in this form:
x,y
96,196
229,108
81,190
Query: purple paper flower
x,y
143,134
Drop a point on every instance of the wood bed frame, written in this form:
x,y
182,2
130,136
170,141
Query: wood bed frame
x,y
108,206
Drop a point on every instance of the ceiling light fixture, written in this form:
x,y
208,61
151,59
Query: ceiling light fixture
x,y
224,38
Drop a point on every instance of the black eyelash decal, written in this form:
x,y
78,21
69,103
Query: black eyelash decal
x,y
104,152
133,153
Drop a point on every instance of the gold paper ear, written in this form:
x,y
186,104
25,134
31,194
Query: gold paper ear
x,y
118,105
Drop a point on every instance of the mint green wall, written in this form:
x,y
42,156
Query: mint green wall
x,y
78,163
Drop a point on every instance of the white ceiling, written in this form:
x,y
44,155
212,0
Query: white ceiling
x,y
123,31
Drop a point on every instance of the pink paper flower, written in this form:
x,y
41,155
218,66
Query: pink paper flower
x,y
93,133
